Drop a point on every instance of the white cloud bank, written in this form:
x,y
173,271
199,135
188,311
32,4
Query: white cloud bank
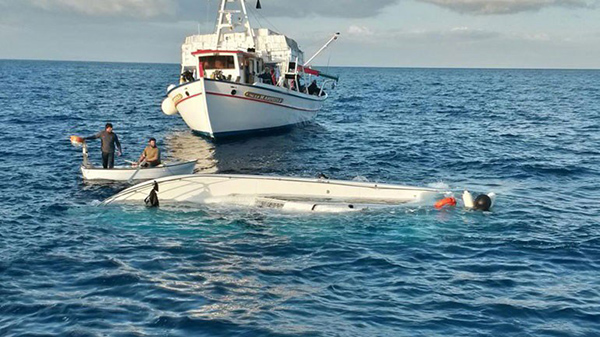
x,y
452,35
290,8
487,7
132,8
356,30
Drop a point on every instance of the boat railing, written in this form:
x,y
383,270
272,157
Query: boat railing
x,y
323,86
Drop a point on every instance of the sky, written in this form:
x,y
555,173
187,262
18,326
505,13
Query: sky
x,y
392,33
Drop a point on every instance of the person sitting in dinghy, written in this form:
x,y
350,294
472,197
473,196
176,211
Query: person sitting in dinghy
x,y
151,155
109,141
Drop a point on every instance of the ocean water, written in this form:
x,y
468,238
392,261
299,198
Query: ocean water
x,y
528,268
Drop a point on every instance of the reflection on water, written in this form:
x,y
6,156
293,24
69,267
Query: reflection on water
x,y
183,145
281,154
272,154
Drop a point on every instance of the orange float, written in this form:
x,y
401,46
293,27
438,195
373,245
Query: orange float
x,y
76,140
450,201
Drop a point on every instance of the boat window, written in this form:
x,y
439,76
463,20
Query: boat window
x,y
217,62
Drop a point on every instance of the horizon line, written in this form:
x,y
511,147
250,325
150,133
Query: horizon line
x,y
335,66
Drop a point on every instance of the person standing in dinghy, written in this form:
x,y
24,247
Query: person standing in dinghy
x,y
151,155
109,142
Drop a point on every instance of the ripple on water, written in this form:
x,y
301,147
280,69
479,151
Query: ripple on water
x,y
68,267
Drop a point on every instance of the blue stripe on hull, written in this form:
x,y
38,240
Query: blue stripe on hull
x,y
253,132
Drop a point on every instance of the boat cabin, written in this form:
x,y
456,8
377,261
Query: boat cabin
x,y
246,67
225,65
242,67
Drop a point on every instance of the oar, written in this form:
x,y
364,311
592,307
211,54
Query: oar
x,y
136,172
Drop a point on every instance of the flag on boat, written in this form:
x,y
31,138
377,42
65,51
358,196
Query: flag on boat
x,y
316,72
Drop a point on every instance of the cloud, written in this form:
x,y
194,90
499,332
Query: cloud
x,y
326,8
194,10
472,34
452,35
486,7
356,30
130,8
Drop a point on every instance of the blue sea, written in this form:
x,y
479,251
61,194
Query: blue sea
x,y
530,267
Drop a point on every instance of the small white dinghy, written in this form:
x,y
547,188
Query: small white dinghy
x,y
290,194
129,173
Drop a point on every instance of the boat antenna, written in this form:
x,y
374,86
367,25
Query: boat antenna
x,y
333,38
207,17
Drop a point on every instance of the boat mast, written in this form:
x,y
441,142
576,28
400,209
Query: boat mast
x,y
333,38
225,21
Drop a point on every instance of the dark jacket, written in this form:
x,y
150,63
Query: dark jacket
x,y
109,140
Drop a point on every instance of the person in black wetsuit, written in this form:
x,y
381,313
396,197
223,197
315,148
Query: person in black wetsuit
x,y
110,142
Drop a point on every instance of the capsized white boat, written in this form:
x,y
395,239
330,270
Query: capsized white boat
x,y
286,193
242,80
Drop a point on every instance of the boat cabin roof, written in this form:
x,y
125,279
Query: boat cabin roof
x,y
211,52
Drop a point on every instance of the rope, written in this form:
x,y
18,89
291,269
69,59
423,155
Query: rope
x,y
267,20
255,17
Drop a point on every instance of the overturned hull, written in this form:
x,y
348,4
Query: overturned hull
x,y
293,194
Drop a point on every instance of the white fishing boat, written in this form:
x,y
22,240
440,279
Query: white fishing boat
x,y
290,194
129,173
226,87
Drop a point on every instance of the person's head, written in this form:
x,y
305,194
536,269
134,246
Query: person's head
x,y
152,142
108,127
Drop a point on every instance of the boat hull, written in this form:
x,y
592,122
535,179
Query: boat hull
x,y
126,173
248,190
221,109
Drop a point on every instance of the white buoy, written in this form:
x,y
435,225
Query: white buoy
x,y
483,202
467,199
492,196
168,107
